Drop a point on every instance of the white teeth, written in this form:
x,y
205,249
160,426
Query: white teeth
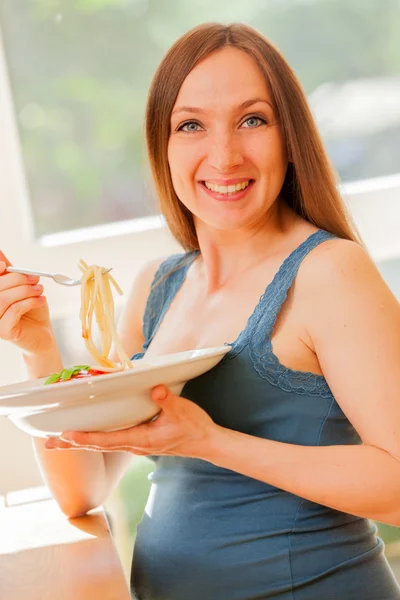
x,y
227,189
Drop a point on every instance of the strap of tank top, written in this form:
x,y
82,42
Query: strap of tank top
x,y
277,291
259,337
167,281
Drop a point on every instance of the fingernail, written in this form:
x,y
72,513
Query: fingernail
x,y
32,278
161,393
37,288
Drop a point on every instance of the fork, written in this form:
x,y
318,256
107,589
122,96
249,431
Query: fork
x,y
57,277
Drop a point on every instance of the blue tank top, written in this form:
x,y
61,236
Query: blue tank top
x,y
209,533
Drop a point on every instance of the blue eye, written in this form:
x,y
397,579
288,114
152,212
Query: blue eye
x,y
255,122
189,127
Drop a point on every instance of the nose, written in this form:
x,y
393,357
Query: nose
x,y
225,152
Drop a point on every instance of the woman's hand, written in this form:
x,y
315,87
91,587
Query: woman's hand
x,y
181,429
24,312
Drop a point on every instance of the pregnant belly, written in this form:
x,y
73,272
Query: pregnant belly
x,y
186,560
202,542
200,534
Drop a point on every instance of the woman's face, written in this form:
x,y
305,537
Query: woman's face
x,y
226,153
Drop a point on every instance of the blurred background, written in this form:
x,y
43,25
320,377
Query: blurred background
x,y
79,98
78,72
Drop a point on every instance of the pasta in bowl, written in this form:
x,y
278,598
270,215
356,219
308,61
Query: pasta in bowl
x,y
107,402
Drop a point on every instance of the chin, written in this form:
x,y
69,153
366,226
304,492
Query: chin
x,y
228,226
228,220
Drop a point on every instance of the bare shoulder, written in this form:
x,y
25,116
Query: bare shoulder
x,y
130,327
145,276
337,265
341,289
147,272
334,255
142,282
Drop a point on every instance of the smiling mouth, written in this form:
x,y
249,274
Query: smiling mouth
x,y
227,190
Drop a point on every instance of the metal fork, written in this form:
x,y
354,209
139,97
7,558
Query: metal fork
x,y
57,277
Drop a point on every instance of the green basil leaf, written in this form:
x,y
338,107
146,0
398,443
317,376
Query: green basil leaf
x,y
66,374
82,368
53,378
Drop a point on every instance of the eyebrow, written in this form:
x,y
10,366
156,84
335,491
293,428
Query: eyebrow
x,y
246,104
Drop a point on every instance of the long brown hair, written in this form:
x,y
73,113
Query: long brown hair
x,y
309,187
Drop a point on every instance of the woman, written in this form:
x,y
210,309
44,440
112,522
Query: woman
x,y
269,466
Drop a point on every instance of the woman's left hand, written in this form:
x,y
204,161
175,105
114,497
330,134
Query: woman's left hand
x,y
182,429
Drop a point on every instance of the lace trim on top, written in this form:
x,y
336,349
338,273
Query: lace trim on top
x,y
259,328
264,360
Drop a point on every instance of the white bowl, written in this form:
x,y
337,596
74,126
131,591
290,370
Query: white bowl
x,y
105,402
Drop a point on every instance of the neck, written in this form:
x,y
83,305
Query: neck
x,y
227,254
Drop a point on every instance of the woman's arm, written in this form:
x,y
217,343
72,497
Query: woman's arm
x,y
76,481
82,480
353,322
360,480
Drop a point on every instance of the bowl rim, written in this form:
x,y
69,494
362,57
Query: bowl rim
x,y
38,386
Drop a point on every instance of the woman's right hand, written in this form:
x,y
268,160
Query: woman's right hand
x,y
24,312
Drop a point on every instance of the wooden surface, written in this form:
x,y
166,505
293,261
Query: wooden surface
x,y
44,555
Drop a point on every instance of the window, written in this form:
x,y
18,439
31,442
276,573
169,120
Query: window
x,y
79,73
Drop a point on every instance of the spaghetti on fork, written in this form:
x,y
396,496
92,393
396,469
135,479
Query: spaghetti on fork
x,y
97,301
